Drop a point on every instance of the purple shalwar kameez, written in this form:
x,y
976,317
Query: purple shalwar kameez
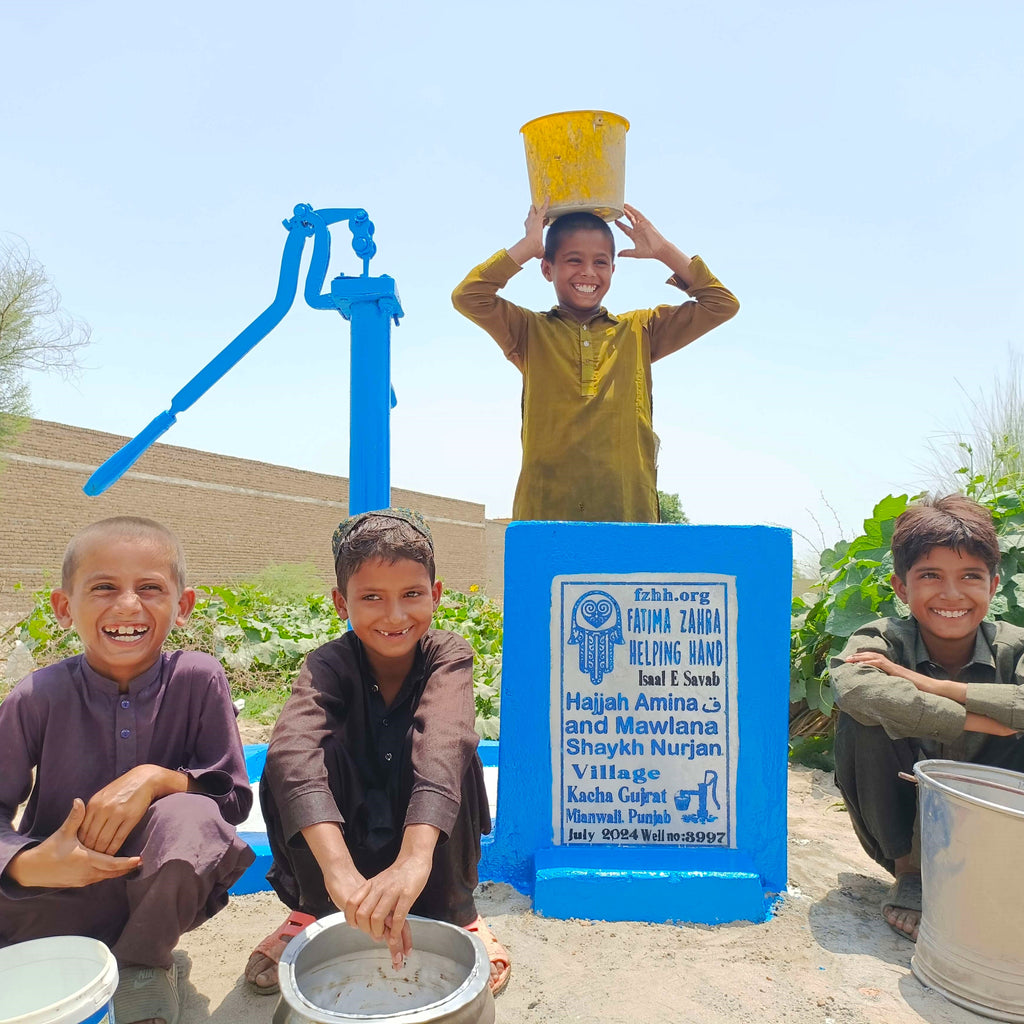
x,y
78,732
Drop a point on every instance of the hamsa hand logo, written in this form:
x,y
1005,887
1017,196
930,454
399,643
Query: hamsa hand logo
x,y
596,628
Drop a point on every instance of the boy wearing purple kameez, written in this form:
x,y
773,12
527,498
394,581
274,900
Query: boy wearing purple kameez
x,y
139,777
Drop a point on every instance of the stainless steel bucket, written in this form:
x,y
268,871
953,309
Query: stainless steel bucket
x,y
971,941
332,974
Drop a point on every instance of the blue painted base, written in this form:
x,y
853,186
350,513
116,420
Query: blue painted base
x,y
649,882
627,884
639,888
254,879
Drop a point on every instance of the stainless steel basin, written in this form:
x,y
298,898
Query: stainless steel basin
x,y
331,973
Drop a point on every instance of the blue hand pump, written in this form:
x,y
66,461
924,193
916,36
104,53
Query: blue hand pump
x,y
369,303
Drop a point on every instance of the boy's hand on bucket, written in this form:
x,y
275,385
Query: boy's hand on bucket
x,y
531,246
648,242
62,862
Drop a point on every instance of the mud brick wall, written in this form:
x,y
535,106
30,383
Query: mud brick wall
x,y
494,580
234,516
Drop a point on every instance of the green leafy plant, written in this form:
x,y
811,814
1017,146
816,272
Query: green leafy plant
x,y
479,620
853,589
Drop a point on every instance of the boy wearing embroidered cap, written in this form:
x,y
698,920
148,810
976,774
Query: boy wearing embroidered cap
x,y
589,448
373,793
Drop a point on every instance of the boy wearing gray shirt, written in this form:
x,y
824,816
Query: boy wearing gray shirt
x,y
943,683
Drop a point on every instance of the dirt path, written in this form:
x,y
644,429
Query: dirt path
x,y
825,958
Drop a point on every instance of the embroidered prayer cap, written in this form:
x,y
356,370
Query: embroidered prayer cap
x,y
405,515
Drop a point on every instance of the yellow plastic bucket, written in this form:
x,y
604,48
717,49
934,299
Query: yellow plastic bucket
x,y
577,159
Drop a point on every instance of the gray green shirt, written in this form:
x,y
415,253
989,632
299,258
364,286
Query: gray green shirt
x,y
994,678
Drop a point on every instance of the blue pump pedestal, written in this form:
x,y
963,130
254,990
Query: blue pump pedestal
x,y
645,689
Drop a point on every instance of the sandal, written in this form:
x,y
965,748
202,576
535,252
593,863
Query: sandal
x,y
501,962
273,946
903,894
147,993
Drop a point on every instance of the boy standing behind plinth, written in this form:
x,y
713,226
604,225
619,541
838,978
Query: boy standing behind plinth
x,y
589,448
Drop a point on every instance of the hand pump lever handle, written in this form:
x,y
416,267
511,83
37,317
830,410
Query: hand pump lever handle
x,y
299,228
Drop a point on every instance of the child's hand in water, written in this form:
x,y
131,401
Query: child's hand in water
x,y
648,242
379,906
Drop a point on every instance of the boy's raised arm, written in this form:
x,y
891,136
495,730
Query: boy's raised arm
x,y
671,328
476,296
531,245
650,244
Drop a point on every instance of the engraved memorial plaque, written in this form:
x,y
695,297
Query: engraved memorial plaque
x,y
644,737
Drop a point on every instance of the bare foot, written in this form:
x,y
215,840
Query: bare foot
x,y
901,906
903,920
261,972
501,962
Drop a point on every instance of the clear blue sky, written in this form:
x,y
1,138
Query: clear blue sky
x,y
854,172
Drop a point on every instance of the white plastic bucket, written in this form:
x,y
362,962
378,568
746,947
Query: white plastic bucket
x,y
66,979
971,942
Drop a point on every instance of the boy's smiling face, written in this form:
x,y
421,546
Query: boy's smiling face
x,y
948,593
389,605
123,601
581,271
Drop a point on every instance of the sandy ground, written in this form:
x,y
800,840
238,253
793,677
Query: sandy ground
x,y
826,957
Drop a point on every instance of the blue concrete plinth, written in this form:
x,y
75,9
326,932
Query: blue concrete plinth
x,y
255,877
621,887
645,696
